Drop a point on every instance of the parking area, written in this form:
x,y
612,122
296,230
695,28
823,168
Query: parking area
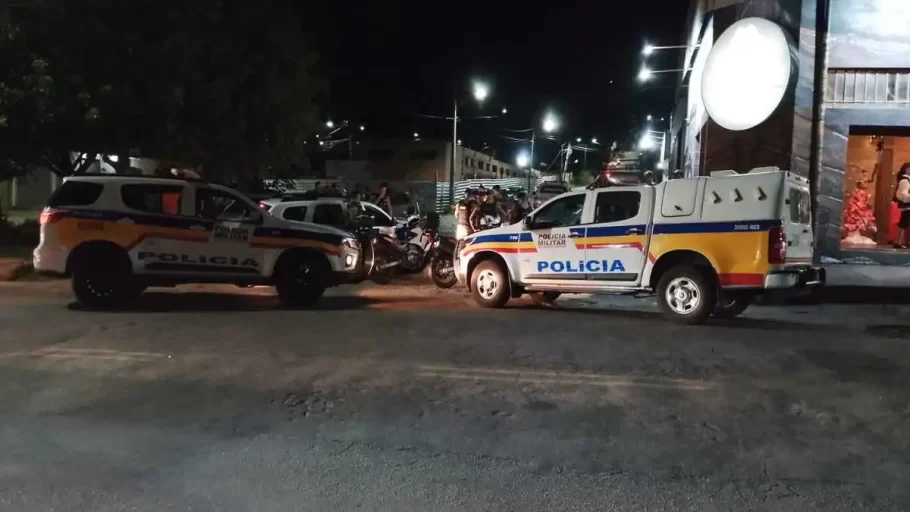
x,y
407,397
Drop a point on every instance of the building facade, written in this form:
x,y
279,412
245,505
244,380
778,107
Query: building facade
x,y
861,107
418,160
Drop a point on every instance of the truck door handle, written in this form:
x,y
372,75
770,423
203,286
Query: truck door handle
x,y
576,235
634,231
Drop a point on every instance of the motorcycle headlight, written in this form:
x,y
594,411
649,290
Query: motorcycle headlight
x,y
351,243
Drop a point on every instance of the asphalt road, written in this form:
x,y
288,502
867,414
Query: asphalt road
x,y
407,398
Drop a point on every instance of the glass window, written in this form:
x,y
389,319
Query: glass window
x,y
329,214
297,213
616,206
75,193
221,205
800,208
564,212
150,198
380,218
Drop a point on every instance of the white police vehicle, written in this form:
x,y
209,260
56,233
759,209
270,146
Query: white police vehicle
x,y
116,235
705,245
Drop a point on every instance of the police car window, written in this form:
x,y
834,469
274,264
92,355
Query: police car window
x,y
800,207
329,214
151,198
215,204
75,193
616,206
565,211
297,213
379,217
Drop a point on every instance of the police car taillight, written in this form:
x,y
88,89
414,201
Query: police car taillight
x,y
50,216
777,245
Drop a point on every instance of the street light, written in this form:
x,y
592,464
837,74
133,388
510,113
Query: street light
x,y
578,139
362,127
593,140
505,110
522,160
550,123
481,91
329,124
645,74
416,135
646,142
649,117
647,50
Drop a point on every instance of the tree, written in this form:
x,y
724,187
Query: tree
x,y
225,84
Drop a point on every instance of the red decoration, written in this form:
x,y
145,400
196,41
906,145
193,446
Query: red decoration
x,y
858,216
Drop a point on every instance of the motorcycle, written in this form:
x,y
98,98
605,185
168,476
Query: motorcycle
x,y
381,253
440,254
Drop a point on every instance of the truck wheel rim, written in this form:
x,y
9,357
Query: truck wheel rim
x,y
487,284
682,295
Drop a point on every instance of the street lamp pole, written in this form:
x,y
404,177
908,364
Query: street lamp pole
x,y
454,151
532,161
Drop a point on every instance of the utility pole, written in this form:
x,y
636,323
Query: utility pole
x,y
454,156
531,161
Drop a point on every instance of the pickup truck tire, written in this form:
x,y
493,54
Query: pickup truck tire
x,y
685,295
490,285
544,298
731,305
299,280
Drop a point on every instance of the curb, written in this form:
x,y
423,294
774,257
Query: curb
x,y
16,270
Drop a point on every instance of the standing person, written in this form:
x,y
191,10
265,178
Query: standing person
x,y
463,216
383,199
517,212
475,219
902,198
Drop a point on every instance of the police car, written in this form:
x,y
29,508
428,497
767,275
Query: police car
x,y
329,211
705,245
115,235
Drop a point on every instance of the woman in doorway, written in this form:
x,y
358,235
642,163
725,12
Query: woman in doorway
x,y
902,198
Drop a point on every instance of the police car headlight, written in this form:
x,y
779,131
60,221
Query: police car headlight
x,y
351,243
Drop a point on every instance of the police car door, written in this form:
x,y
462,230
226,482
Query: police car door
x,y
234,219
553,229
616,242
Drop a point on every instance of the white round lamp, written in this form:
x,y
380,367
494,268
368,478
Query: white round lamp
x,y
747,73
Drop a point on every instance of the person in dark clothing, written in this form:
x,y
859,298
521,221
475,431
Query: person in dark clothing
x,y
463,209
902,198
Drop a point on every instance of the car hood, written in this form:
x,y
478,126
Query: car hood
x,y
308,227
501,230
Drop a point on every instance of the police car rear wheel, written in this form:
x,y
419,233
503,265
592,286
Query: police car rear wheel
x,y
490,285
299,281
731,305
100,283
685,295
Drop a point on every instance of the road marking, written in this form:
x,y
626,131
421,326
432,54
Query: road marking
x,y
86,353
560,378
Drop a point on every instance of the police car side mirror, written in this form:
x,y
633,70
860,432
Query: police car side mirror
x,y
528,223
256,217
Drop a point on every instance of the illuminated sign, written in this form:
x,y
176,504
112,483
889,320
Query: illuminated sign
x,y
747,73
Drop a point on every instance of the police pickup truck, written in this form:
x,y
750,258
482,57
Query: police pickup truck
x,y
703,246
116,235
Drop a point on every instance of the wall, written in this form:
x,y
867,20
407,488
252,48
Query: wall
x,y
863,34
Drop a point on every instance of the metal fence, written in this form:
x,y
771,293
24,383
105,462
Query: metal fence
x,y
442,188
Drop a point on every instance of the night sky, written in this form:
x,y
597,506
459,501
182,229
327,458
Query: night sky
x,y
390,62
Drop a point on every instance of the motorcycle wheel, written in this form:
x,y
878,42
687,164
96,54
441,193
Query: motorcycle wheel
x,y
414,261
442,272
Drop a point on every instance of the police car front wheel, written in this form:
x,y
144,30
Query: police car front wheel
x,y
685,295
299,280
490,285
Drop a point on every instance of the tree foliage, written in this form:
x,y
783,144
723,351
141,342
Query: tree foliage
x,y
225,84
